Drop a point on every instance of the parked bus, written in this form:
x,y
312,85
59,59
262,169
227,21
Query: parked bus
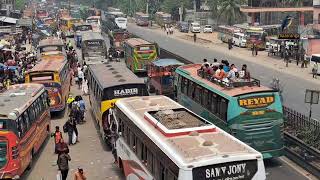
x,y
93,45
249,111
108,83
79,29
239,39
138,53
142,19
50,46
156,138
95,21
163,18
66,25
24,126
226,32
117,39
56,77
257,36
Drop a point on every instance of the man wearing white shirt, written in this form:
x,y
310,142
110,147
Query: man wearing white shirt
x,y
80,78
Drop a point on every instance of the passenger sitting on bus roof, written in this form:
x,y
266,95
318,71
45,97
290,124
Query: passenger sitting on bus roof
x,y
210,70
221,74
205,61
226,67
245,73
232,74
235,69
215,62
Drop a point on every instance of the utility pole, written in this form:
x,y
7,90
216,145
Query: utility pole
x,y
147,8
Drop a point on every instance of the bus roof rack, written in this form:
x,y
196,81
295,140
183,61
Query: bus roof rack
x,y
238,82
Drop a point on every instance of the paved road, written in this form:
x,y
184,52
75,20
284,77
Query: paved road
x,y
294,87
276,169
90,153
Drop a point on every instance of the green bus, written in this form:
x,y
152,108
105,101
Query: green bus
x,y
139,53
244,108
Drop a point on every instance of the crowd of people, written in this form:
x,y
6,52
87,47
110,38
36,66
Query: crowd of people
x,y
223,71
76,109
15,60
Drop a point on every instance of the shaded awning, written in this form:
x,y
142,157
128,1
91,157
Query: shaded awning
x,y
8,20
25,22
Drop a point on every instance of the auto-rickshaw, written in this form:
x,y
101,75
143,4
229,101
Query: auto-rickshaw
x,y
161,75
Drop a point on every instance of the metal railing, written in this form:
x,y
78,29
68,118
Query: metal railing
x,y
299,121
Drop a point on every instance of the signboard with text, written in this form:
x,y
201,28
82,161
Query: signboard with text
x,y
239,170
292,36
256,101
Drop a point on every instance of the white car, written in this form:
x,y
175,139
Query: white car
x,y
207,29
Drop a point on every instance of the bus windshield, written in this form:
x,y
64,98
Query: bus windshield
x,y
145,48
50,48
3,124
41,77
144,18
84,28
92,20
3,152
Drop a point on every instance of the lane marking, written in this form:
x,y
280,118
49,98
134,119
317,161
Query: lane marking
x,y
298,169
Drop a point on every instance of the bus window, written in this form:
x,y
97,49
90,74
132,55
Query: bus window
x,y
197,94
223,109
214,103
26,120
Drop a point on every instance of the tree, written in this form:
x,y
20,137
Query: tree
x,y
19,4
230,10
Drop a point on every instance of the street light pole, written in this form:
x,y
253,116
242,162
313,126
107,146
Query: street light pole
x,y
147,8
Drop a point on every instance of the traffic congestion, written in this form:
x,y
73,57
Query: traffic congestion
x,y
82,97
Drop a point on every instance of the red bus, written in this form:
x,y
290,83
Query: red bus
x,y
24,126
55,75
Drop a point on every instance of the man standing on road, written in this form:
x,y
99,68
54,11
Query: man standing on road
x,y
315,70
57,138
194,37
63,164
80,78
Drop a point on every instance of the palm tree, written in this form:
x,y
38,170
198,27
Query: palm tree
x,y
230,9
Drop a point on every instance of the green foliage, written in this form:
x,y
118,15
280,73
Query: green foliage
x,y
20,4
228,10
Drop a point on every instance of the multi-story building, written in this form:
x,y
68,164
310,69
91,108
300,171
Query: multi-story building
x,y
274,11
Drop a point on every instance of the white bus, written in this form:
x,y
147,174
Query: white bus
x,y
95,22
156,138
239,39
121,22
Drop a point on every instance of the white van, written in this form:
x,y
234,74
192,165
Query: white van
x,y
195,27
239,39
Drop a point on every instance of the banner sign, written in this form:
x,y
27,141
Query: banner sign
x,y
292,36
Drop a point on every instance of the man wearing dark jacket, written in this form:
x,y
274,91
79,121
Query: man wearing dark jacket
x,y
63,164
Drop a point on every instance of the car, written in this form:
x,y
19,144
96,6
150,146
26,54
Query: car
x,y
183,27
207,29
195,27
